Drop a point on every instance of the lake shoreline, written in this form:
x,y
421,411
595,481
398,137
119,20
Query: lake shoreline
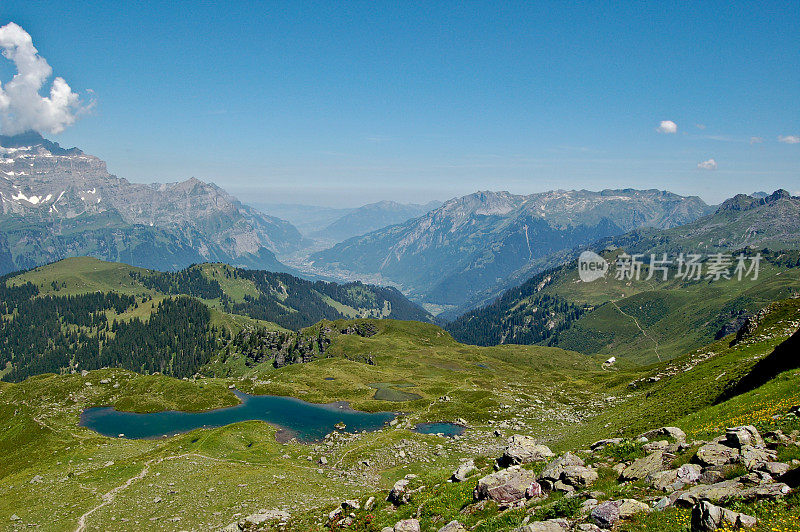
x,y
293,418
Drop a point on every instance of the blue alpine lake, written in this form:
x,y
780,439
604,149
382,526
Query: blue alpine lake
x,y
296,418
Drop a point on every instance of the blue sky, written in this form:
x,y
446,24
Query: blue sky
x,y
342,103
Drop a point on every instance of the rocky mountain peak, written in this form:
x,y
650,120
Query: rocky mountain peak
x,y
742,202
483,202
778,194
30,141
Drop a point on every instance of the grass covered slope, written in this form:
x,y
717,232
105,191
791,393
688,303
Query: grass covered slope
x,y
423,360
274,297
689,391
637,321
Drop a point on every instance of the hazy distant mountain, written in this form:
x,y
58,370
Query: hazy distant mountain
x,y
307,219
56,203
473,242
373,216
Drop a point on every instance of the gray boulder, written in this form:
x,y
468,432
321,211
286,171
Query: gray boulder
x,y
660,445
772,491
675,479
555,468
596,446
745,435
711,476
551,525
776,469
579,476
643,467
253,522
399,493
721,491
464,471
629,507
508,486
523,450
755,457
407,525
672,432
706,516
716,454
453,526
730,490
606,514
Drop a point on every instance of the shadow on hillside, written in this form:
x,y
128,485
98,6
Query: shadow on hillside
x,y
785,357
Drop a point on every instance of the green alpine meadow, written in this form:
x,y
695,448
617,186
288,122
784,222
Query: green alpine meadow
x,y
399,267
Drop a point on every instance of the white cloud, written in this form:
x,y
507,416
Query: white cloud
x,y
667,126
21,106
710,164
756,140
789,139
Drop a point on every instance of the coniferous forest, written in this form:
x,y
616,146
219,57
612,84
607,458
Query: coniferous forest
x,y
72,333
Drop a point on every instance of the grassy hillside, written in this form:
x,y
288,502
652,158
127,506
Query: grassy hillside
x,y
636,321
274,297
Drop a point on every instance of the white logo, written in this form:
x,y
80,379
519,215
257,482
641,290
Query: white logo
x,y
591,266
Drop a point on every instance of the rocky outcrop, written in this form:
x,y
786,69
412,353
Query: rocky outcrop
x,y
523,450
464,471
706,516
646,466
551,525
608,513
683,486
284,348
508,486
716,454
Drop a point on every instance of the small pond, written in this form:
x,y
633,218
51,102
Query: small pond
x,y
305,421
445,429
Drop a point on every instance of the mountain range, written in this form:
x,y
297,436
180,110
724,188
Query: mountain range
x,y
471,243
648,320
57,202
